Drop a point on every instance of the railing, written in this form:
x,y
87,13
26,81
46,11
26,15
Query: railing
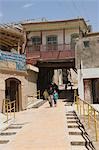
x,y
9,107
58,47
89,113
49,52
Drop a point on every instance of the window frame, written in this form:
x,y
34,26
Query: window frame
x,y
52,41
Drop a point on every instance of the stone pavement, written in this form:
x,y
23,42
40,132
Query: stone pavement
x,y
44,128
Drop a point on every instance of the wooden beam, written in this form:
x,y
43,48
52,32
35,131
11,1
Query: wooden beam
x,y
56,65
5,43
9,37
11,31
8,41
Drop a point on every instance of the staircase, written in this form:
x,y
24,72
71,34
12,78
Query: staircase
x,y
3,122
9,133
35,104
79,138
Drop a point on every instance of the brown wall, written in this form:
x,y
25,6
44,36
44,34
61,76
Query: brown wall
x,y
87,57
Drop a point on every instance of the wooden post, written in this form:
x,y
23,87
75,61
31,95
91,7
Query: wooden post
x,y
19,47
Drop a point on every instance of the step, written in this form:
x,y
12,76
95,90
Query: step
x,y
77,143
3,118
71,111
38,104
4,126
73,126
77,140
74,133
71,114
7,133
75,130
73,121
4,141
72,118
14,127
78,148
18,124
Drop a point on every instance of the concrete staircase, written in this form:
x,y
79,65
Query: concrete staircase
x,y
9,133
3,122
79,138
4,125
35,104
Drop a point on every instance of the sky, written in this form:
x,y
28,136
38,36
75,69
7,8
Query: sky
x,y
20,10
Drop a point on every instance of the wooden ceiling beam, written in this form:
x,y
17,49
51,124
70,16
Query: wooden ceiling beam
x,y
9,37
3,43
11,31
6,42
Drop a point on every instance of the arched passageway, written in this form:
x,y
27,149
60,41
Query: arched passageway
x,y
13,91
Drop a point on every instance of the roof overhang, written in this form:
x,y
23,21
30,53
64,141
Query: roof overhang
x,y
32,68
10,37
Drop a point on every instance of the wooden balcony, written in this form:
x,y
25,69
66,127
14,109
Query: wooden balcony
x,y
49,53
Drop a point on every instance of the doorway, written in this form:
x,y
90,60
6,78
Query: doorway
x,y
13,91
95,91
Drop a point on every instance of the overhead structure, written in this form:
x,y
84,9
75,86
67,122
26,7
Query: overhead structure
x,y
12,37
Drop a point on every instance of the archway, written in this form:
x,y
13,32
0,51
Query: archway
x,y
13,91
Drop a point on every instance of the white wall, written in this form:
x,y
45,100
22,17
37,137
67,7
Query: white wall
x,y
59,33
32,83
86,74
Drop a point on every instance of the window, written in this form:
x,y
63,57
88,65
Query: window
x,y
51,42
36,42
86,44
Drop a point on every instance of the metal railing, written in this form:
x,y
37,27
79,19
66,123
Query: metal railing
x,y
9,108
88,112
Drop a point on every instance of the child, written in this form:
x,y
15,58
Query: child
x,y
55,97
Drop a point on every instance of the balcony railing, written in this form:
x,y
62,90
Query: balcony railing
x,y
58,47
49,52
13,61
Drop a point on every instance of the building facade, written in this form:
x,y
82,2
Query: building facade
x,y
87,63
15,76
51,47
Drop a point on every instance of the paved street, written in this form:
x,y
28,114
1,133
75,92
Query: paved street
x,y
42,128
